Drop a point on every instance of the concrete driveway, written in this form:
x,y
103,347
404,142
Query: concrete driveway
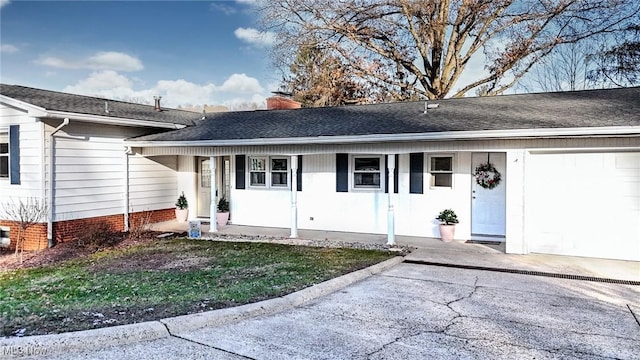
x,y
424,312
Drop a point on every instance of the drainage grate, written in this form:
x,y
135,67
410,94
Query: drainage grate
x,y
527,272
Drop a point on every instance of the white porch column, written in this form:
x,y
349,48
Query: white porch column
x,y
294,196
213,226
391,236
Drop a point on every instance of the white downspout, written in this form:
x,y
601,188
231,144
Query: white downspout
x,y
50,204
127,151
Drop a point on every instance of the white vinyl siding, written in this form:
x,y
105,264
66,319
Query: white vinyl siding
x,y
89,174
153,182
31,155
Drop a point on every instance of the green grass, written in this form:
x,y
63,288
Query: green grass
x,y
162,279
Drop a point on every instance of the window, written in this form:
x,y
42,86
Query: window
x,y
4,154
367,172
5,237
258,171
441,169
279,172
269,172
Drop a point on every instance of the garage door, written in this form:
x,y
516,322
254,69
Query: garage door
x,y
583,204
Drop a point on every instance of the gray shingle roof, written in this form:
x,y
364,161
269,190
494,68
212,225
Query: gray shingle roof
x,y
58,101
580,109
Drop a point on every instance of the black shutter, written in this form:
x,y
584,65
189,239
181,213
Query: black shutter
x,y
416,173
342,173
299,173
240,171
395,174
14,154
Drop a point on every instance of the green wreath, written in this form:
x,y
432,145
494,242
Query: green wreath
x,y
487,176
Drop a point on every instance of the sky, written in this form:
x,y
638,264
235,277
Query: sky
x,y
188,52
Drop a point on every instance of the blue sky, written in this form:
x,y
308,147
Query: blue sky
x,y
189,52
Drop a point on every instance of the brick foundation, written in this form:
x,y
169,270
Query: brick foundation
x,y
36,237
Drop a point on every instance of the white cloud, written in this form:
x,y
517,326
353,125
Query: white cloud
x,y
8,48
111,84
255,37
106,60
241,83
4,2
106,83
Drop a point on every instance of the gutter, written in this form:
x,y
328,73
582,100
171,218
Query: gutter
x,y
111,120
445,135
50,204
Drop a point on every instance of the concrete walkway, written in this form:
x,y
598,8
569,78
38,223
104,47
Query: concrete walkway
x,y
426,251
433,251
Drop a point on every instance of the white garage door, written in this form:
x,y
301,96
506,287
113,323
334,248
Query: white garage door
x,y
583,204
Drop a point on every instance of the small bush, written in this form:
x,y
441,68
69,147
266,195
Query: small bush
x,y
96,236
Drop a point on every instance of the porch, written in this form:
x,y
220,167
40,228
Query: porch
x,y
427,250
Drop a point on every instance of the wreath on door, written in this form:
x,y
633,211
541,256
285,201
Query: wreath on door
x,y
487,176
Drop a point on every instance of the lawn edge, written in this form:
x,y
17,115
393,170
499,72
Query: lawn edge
x,y
95,339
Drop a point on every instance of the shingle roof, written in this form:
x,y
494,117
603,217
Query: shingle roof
x,y
58,101
579,109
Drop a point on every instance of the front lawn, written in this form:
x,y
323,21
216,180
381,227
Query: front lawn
x,y
161,279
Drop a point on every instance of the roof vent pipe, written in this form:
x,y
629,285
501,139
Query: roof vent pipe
x,y
430,106
106,107
157,106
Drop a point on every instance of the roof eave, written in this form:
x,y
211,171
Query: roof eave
x,y
434,136
111,120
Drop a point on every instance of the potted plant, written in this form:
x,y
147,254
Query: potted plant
x,y
182,208
222,216
448,220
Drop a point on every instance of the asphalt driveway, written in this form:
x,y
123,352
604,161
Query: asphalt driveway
x,y
425,312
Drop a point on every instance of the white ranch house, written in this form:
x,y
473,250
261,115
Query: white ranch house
x,y
570,166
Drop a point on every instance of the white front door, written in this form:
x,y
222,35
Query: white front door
x,y
204,187
488,205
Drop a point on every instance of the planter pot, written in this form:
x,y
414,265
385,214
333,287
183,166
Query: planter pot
x,y
182,215
222,218
447,232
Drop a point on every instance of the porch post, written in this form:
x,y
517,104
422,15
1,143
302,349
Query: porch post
x,y
391,165
294,196
213,226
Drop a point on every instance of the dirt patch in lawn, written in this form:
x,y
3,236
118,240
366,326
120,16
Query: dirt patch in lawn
x,y
67,251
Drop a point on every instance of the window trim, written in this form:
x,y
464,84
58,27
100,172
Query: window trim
x,y
432,173
268,172
381,172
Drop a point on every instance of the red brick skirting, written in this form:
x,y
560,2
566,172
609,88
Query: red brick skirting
x,y
36,236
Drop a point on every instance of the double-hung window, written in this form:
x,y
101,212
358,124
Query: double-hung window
x,y
4,154
280,172
367,171
269,172
258,171
441,170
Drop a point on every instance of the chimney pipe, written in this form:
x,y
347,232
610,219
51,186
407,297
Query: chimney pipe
x,y
157,106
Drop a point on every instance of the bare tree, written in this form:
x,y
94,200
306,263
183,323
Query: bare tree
x,y
421,47
619,64
566,68
26,213
321,79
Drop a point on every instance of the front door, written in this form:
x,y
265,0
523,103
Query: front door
x,y
204,187
488,206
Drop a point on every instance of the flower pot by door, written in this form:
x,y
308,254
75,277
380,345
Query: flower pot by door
x,y
222,218
182,215
447,232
